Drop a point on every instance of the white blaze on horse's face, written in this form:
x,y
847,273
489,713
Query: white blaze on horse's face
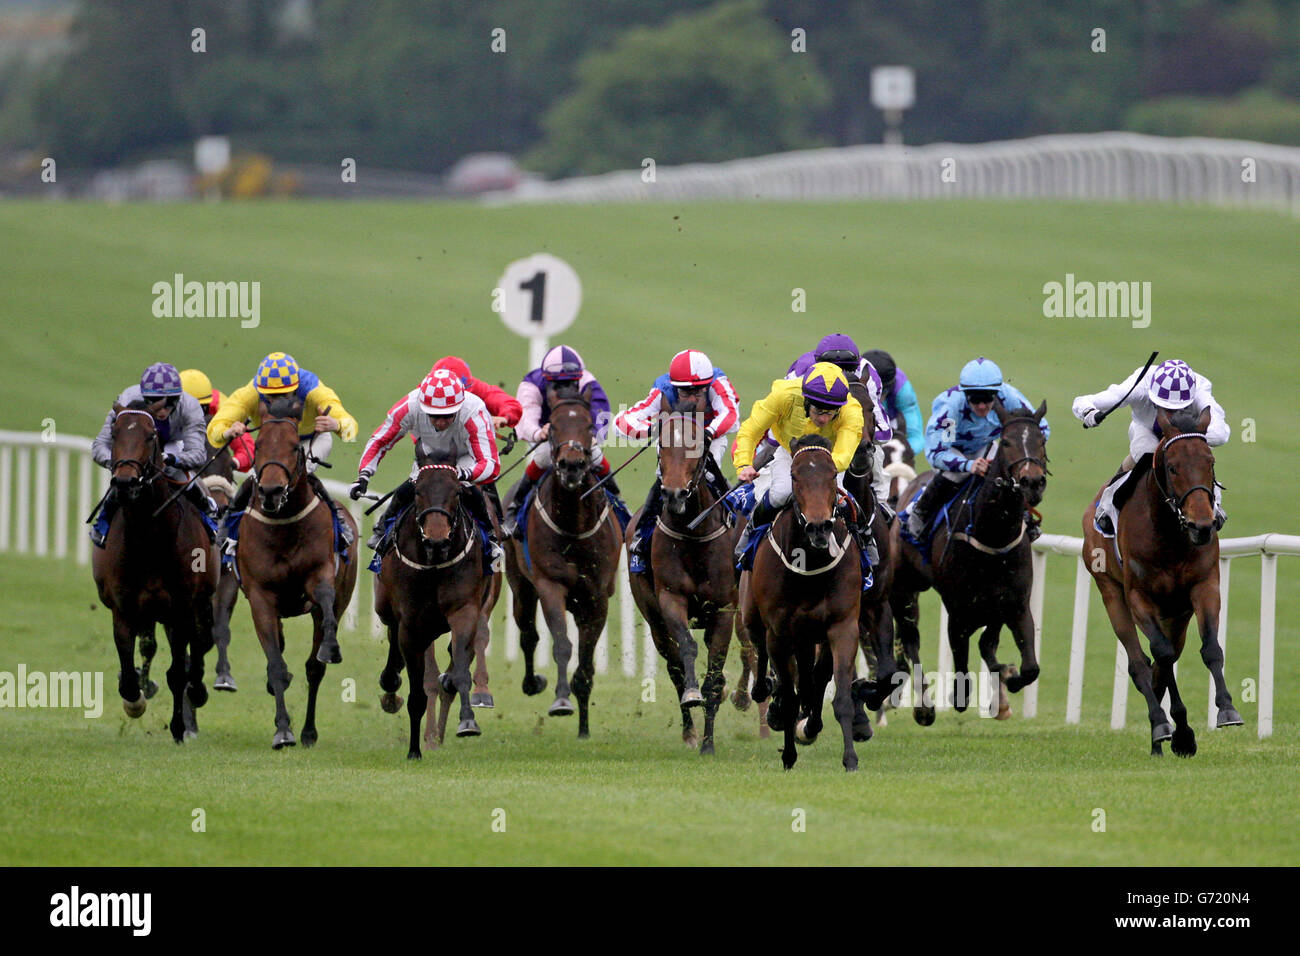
x,y
678,468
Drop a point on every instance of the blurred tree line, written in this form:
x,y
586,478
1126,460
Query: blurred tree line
x,y
579,86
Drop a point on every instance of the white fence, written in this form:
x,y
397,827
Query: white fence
x,y
37,495
1091,166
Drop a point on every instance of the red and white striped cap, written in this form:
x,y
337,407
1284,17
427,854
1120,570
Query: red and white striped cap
x,y
441,393
690,369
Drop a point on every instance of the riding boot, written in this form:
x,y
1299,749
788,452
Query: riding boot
x,y
343,531
763,514
99,530
477,505
228,533
380,536
860,527
198,494
637,563
525,485
935,494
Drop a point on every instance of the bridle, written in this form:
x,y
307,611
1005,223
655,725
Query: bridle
x,y
1012,480
146,471
453,519
557,447
701,462
1173,501
798,511
292,475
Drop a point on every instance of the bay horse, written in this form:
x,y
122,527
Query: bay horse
x,y
155,569
219,482
287,563
875,620
802,602
573,554
432,581
1161,568
984,574
691,579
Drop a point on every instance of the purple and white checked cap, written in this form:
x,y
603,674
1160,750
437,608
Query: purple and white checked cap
x,y
562,363
1173,385
160,379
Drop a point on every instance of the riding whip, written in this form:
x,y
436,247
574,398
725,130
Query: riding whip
x,y
1101,416
602,481
703,514
531,449
183,488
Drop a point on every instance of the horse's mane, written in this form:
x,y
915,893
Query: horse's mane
x,y
137,404
283,406
1185,420
441,456
1020,412
810,441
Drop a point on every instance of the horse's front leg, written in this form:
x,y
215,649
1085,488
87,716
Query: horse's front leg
x,y
959,632
673,607
591,621
315,674
1021,625
1205,599
815,670
266,622
482,696
390,678
988,647
323,594
223,604
842,639
413,655
178,642
551,596
718,628
464,624
128,678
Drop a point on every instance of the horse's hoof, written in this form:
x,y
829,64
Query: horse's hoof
x,y
198,695
1003,712
1183,743
740,700
330,654
761,690
468,728
413,755
190,734
706,748
483,700
774,719
850,765
390,703
561,707
923,715
150,689
446,683
801,735
135,708
1162,732
862,731
691,697
224,682
282,738
309,737
690,739
1228,718
534,685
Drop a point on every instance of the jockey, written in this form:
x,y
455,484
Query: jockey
x,y
840,350
820,404
1171,385
178,422
689,373
962,426
501,405
445,419
200,386
322,414
560,364
900,404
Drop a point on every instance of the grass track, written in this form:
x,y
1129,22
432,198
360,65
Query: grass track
x,y
368,294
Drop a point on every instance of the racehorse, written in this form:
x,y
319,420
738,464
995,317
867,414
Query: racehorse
x,y
801,603
432,581
572,556
691,579
876,624
287,561
984,573
219,482
155,569
1160,569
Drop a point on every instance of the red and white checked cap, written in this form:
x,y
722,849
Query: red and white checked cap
x,y
441,393
690,369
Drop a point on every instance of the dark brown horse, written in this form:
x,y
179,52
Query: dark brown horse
x,y
802,603
691,581
983,575
219,481
432,581
573,543
287,563
155,569
1160,569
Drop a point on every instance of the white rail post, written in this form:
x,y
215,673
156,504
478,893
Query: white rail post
x,y
62,489
1078,643
84,468
6,494
22,513
1119,693
512,629
1036,609
649,653
1225,567
941,699
42,530
1267,612
627,624
350,616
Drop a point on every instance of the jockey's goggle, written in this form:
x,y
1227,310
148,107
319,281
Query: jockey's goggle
x,y
815,409
167,401
844,358
981,397
568,370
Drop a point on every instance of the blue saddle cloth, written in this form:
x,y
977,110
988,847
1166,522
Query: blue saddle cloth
x,y
377,561
941,517
233,519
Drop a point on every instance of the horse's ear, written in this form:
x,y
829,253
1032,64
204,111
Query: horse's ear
x,y
1000,409
421,456
117,409
1203,422
1042,410
1162,420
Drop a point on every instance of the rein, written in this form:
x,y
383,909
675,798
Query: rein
x,y
1174,502
837,550
293,476
148,472
457,520
700,468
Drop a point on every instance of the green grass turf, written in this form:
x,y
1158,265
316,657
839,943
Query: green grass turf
x,y
367,295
